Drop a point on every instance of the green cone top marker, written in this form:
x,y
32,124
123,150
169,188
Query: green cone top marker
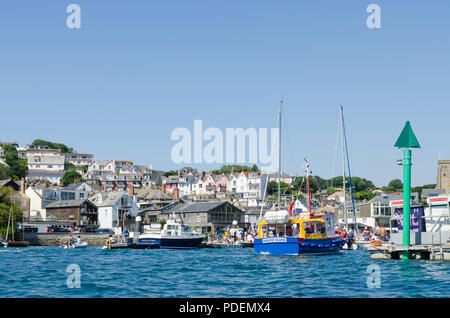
x,y
406,140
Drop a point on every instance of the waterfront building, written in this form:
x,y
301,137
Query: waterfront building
x,y
40,197
427,193
443,176
116,209
206,216
437,213
81,212
375,212
152,197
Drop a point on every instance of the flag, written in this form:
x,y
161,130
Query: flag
x,y
291,207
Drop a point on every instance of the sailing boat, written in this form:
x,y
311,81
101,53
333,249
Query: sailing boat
x,y
14,243
283,232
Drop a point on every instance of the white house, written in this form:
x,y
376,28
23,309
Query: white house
x,y
204,185
79,159
115,209
44,163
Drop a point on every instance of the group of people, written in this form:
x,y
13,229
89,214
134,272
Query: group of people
x,y
365,235
232,235
71,242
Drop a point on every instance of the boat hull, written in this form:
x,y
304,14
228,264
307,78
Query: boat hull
x,y
295,246
17,244
176,243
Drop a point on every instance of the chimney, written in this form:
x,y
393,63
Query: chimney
x,y
176,194
323,204
163,188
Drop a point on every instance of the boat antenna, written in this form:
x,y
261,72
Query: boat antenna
x,y
12,217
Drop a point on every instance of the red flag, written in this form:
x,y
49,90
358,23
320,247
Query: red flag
x,y
291,207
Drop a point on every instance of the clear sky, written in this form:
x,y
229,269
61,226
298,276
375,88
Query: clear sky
x,y
136,70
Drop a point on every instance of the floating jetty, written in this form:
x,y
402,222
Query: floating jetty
x,y
423,252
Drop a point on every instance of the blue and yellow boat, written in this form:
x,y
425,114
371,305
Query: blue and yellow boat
x,y
293,231
281,234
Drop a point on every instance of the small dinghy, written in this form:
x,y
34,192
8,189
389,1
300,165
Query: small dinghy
x,y
82,245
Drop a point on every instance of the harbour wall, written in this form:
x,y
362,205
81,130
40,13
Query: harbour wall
x,y
57,239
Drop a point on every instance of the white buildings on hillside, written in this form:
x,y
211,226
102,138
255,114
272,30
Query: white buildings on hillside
x,y
79,159
43,163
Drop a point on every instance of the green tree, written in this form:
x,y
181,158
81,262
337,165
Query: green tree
x,y
364,195
170,173
69,177
237,168
52,145
396,184
18,167
272,187
5,173
331,190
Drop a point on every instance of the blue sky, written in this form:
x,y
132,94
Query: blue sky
x,y
136,70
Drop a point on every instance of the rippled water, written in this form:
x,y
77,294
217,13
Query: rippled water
x,y
41,272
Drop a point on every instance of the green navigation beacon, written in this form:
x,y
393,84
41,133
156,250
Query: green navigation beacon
x,y
406,140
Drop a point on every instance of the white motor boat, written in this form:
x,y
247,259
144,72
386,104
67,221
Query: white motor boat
x,y
173,235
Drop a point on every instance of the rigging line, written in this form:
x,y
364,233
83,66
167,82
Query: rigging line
x,y
286,133
268,178
349,175
333,171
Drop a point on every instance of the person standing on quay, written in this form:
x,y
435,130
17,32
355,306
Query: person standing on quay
x,y
383,233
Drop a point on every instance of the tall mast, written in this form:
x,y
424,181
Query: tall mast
x,y
279,155
12,217
343,166
9,221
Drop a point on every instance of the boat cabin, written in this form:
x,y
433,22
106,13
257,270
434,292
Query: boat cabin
x,y
314,228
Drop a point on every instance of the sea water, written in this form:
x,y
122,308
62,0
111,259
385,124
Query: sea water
x,y
209,272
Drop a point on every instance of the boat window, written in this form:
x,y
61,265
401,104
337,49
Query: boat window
x,y
314,227
264,231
